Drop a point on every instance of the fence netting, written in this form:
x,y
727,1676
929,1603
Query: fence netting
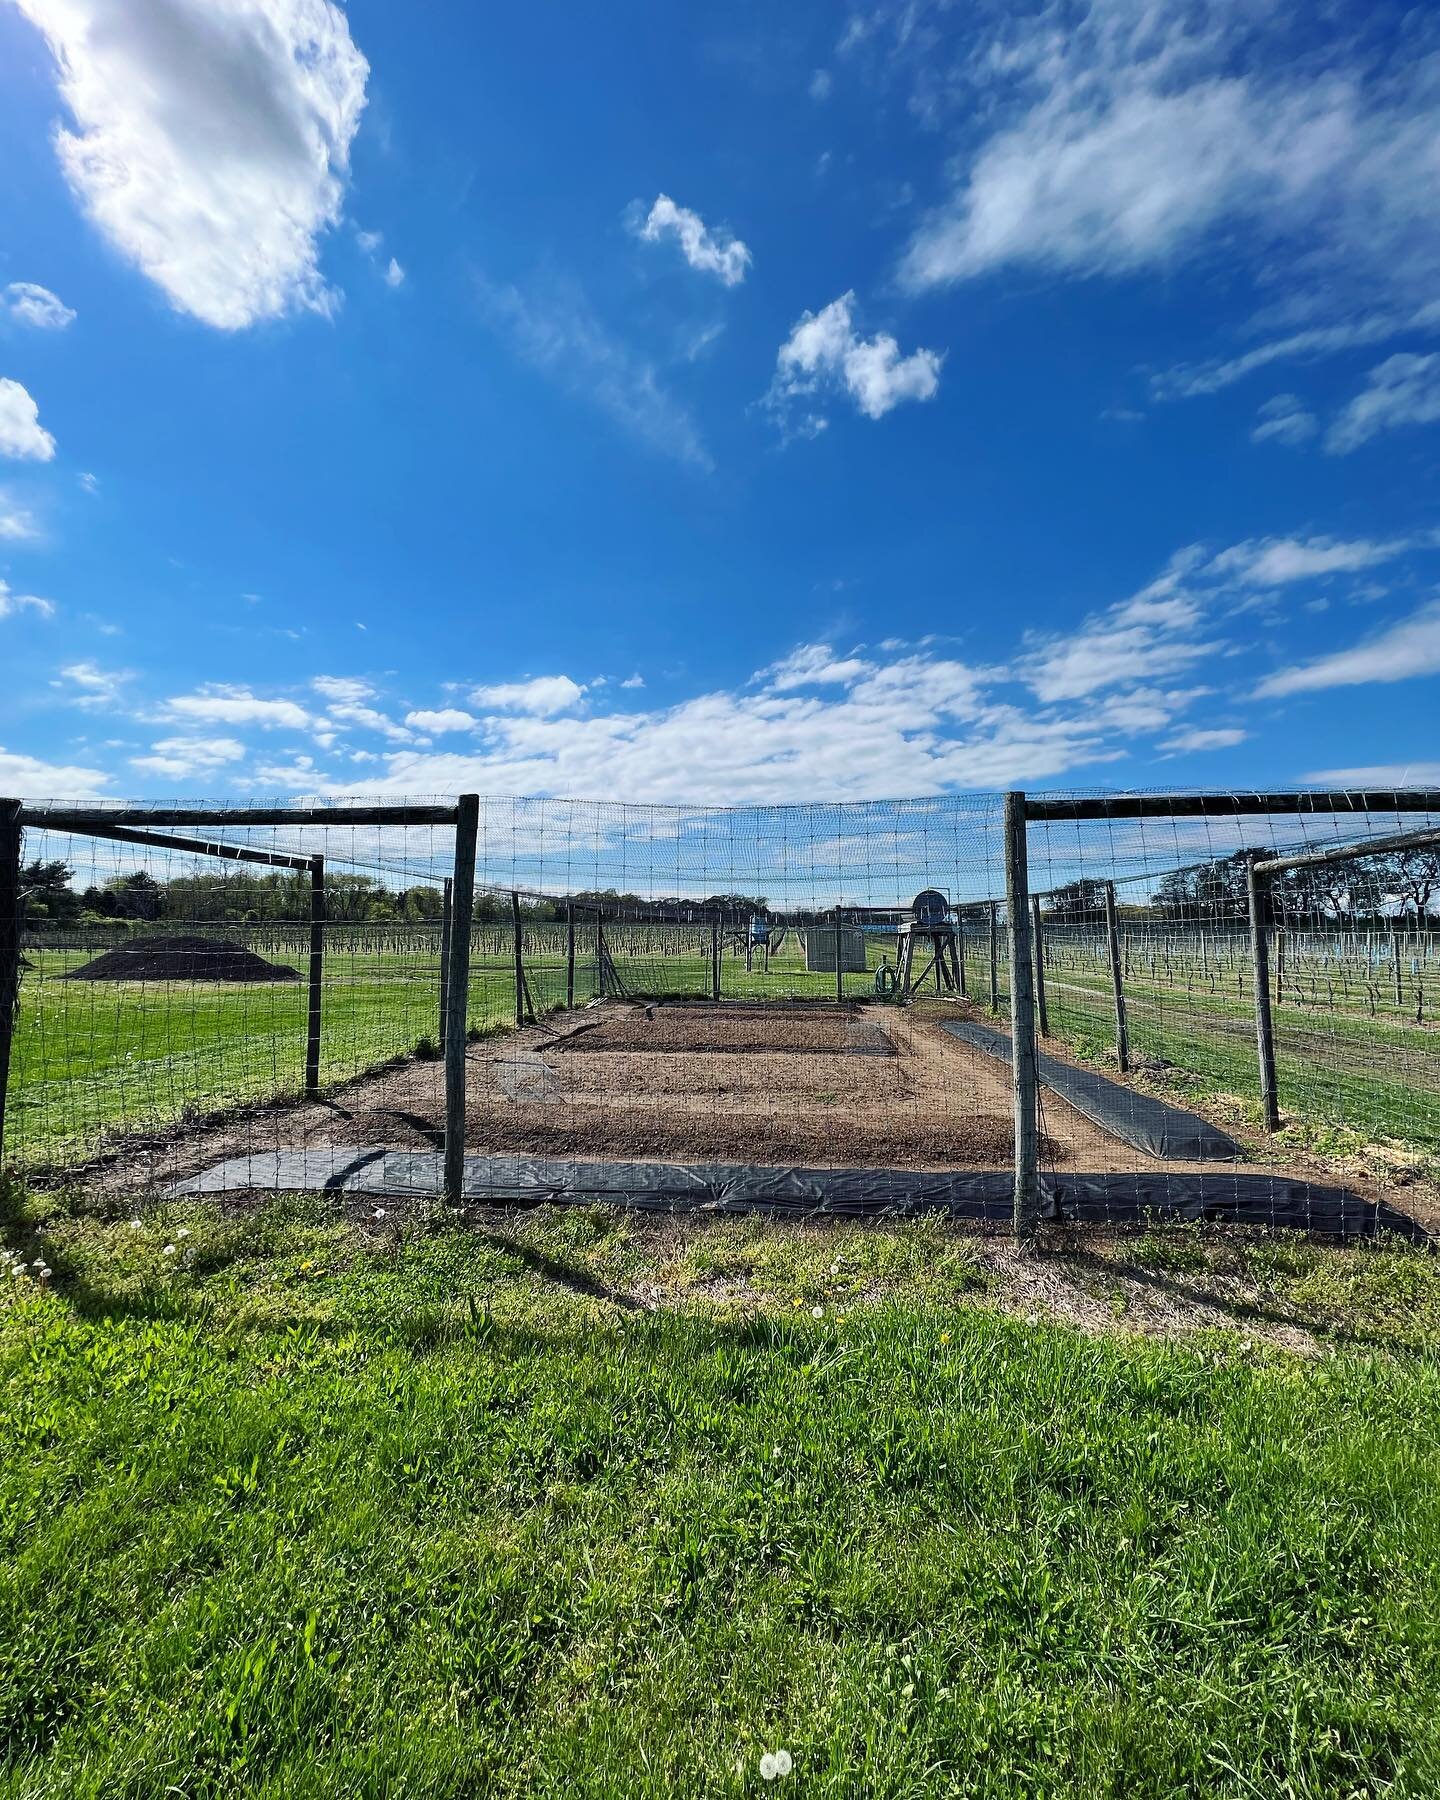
x,y
804,1008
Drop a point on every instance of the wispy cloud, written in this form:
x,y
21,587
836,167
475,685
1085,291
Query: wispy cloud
x,y
1284,420
27,303
712,251
11,603
542,694
225,705
1408,648
210,143
1272,562
1402,390
557,332
18,524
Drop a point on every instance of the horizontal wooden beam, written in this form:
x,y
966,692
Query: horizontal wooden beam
x,y
160,840
83,819
1229,806
1337,853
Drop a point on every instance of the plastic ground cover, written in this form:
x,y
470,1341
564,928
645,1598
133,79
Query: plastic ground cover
x,y
1233,1196
1146,1124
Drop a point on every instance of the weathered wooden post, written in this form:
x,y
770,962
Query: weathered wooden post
x,y
1023,1065
839,967
1112,932
10,835
715,957
569,953
317,975
444,960
467,822
960,952
1260,966
600,951
995,956
519,959
1038,941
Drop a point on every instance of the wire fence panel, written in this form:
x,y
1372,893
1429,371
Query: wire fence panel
x,y
805,1008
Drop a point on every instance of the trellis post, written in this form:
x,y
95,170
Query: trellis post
x,y
317,975
1022,1022
445,909
1038,940
1112,933
995,956
10,835
1260,966
519,959
569,953
715,957
839,972
462,913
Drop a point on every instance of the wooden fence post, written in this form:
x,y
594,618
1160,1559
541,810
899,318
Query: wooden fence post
x,y
995,956
1023,1064
1039,949
445,905
715,957
1260,965
600,952
317,975
569,953
519,959
10,835
839,972
1112,932
960,952
462,913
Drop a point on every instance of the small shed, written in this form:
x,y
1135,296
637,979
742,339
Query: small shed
x,y
821,943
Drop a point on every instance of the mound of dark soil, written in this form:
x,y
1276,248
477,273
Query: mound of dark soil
x,y
181,959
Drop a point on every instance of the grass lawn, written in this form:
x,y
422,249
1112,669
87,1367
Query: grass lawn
x,y
582,1504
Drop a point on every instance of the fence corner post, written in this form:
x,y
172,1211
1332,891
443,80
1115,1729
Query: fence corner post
x,y
317,976
445,906
10,836
1022,1022
1260,963
462,913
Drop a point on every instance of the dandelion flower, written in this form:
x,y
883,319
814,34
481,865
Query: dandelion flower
x,y
817,1312
944,1337
307,1264
169,1250
775,1452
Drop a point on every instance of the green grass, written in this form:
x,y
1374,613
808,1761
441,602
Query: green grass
x,y
95,1058
316,1508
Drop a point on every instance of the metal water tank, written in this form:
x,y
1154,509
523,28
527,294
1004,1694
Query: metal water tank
x,y
930,909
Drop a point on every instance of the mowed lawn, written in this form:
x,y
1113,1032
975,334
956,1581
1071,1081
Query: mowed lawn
x,y
321,1505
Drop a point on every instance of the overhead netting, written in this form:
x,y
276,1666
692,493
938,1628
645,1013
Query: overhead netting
x,y
800,1008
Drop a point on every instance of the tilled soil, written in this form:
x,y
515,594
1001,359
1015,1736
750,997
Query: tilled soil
x,y
700,1031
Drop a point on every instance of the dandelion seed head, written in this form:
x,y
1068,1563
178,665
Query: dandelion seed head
x,y
784,1762
768,1771
135,1225
184,1231
817,1312
169,1250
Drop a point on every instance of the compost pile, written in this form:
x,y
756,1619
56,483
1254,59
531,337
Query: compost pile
x,y
181,959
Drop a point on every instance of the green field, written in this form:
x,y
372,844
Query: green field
x,y
326,1508
94,1060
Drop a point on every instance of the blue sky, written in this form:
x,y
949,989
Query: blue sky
x,y
736,403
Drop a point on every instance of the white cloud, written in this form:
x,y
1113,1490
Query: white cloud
x,y
1270,562
1125,136
179,757
348,688
1218,738
825,354
810,665
29,304
1151,634
1284,420
1382,775
90,483
97,687
21,433
713,252
27,778
298,776
348,713
543,695
223,705
394,274
11,603
821,83
1402,390
557,332
445,718
633,681
1313,341
17,522
1405,649
211,140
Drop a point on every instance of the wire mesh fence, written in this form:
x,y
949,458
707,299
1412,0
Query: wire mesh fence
x,y
809,1008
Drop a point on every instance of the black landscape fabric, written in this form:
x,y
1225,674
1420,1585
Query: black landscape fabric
x,y
1230,1197
181,959
1144,1123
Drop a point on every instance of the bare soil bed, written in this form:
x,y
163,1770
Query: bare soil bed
x,y
696,1030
